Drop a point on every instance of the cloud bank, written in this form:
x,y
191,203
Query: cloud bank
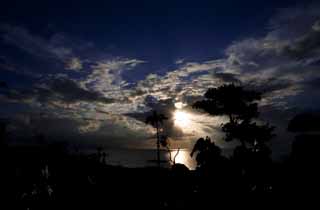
x,y
88,86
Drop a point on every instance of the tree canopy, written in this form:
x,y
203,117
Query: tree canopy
x,y
241,106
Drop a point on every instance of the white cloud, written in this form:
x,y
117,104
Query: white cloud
x,y
106,75
268,63
179,61
277,64
91,126
74,64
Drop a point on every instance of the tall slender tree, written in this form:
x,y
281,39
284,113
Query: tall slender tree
x,y
156,120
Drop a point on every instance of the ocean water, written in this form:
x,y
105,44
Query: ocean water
x,y
134,158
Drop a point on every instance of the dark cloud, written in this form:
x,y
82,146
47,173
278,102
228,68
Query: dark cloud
x,y
227,77
69,91
150,101
308,45
269,85
38,53
35,45
313,83
59,89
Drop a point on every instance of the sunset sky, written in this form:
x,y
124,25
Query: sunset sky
x,y
89,72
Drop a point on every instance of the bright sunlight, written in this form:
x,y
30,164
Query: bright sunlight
x,y
181,119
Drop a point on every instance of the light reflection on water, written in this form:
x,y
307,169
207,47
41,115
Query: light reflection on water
x,y
183,157
134,158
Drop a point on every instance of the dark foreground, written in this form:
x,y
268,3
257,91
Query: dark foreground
x,y
49,178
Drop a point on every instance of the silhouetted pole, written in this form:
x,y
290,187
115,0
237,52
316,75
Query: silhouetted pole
x,y
156,120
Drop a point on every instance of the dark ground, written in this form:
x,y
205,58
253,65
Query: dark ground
x,y
50,178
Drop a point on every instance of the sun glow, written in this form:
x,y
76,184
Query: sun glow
x,y
181,119
195,124
179,105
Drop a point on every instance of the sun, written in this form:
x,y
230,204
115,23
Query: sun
x,y
181,119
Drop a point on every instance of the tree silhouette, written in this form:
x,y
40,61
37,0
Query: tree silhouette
x,y
208,152
307,129
3,122
241,107
156,121
304,157
305,122
3,132
164,142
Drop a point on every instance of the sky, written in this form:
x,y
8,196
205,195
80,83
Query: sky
x,y
89,72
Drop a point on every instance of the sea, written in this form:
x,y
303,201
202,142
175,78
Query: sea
x,y
138,158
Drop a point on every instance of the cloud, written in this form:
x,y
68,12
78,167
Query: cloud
x,y
191,78
227,77
305,46
69,91
106,76
7,65
74,64
33,44
63,90
91,126
283,64
199,124
52,54
179,61
279,63
316,26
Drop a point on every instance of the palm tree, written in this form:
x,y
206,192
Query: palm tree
x,y
156,121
